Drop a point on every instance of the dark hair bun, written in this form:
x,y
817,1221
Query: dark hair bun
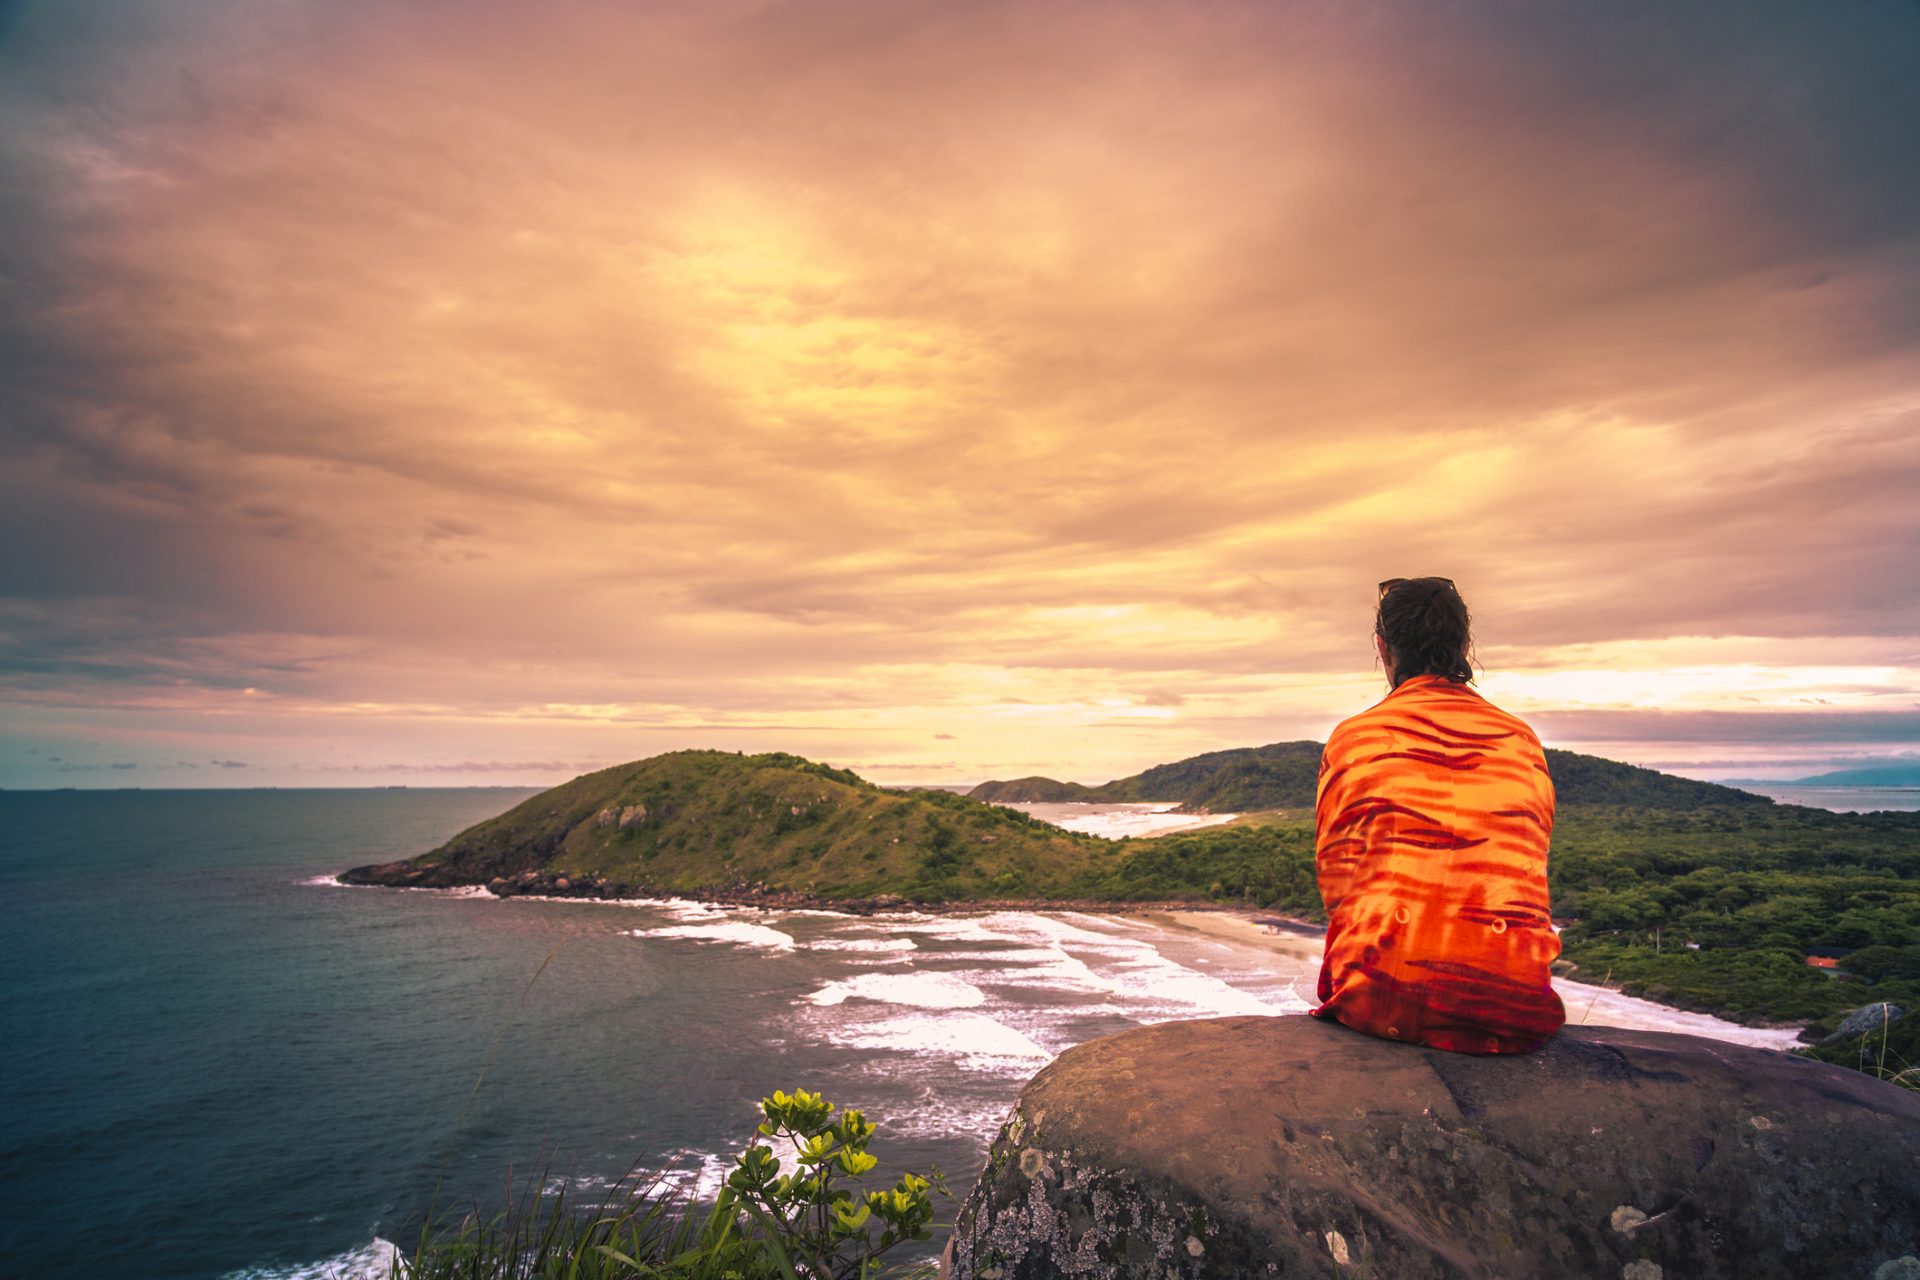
x,y
1426,626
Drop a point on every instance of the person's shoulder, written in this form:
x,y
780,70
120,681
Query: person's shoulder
x,y
1359,722
1520,728
1520,733
1358,730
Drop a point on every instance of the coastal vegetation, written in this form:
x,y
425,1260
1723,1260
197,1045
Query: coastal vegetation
x,y
795,1204
1696,895
1283,775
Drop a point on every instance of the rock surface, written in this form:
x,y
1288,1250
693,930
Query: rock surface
x,y
1294,1147
1862,1020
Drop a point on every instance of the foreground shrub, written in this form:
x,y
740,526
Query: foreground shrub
x,y
817,1221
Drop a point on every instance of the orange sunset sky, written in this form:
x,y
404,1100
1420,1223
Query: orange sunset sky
x,y
478,392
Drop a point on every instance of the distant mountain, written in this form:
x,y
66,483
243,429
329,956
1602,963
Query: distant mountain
x,y
1278,776
1283,776
716,824
1904,774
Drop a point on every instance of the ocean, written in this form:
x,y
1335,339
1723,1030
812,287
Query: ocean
x,y
224,1065
1839,799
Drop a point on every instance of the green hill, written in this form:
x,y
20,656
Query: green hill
x,y
1278,776
1037,790
1282,775
724,825
1590,780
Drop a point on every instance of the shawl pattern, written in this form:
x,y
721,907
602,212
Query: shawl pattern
x,y
1434,815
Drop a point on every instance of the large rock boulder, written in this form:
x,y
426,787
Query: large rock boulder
x,y
1294,1147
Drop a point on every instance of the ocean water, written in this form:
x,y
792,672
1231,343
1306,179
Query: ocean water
x,y
1840,799
223,1064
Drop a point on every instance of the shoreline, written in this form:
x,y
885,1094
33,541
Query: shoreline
x,y
405,875
1299,940
1285,936
1269,931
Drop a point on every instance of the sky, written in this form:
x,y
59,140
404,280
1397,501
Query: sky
x,y
484,392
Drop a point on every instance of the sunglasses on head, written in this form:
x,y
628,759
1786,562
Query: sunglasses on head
x,y
1391,583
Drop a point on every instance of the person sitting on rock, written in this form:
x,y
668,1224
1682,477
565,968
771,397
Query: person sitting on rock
x,y
1431,830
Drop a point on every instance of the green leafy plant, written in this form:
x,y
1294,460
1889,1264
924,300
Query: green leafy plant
x,y
813,1222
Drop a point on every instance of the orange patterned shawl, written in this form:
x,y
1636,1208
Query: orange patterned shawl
x,y
1435,811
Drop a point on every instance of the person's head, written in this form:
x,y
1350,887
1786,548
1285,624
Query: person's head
x,y
1422,628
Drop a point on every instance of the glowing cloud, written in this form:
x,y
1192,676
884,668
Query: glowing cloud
x,y
945,389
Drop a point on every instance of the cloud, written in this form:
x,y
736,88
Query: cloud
x,y
834,368
519,767
1613,727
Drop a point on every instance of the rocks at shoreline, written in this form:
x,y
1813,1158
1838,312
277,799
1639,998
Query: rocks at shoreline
x,y
542,884
1290,1146
545,884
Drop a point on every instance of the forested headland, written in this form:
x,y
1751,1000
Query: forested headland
x,y
1697,895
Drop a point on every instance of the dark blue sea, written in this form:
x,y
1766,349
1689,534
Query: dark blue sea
x,y
219,1063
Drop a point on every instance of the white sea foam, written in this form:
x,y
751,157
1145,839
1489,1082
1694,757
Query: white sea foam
x,y
1121,924
1072,951
1088,954
1177,989
684,908
875,945
677,908
732,932
1049,968
944,1110
1067,955
977,1041
685,1173
1600,1006
1123,963
695,1175
456,891
1066,927
921,990
369,1262
957,928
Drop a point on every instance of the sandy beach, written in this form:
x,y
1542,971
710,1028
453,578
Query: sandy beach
x,y
1295,939
1299,942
